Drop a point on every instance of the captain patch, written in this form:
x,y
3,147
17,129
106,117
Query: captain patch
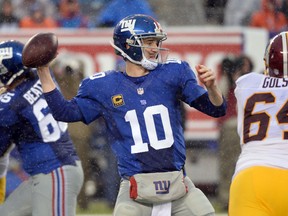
x,y
117,100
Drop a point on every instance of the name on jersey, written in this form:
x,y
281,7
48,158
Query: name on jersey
x,y
270,82
34,93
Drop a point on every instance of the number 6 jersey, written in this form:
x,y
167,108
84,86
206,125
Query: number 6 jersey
x,y
262,105
25,120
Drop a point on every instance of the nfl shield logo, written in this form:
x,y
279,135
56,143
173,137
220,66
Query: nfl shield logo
x,y
140,91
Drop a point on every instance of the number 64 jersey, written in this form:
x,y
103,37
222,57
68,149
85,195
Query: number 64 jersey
x,y
25,119
262,104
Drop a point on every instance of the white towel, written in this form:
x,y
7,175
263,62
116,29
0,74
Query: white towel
x,y
162,209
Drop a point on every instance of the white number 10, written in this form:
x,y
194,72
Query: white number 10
x,y
139,146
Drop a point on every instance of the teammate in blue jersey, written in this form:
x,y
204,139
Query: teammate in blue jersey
x,y
141,107
46,150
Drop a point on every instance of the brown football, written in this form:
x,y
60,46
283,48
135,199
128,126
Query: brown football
x,y
39,50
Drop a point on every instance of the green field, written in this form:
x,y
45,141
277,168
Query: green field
x,y
111,215
100,208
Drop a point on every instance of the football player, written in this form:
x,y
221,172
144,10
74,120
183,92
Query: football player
x,y
259,186
142,108
45,147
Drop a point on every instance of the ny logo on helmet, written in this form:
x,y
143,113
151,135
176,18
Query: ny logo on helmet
x,y
6,53
128,25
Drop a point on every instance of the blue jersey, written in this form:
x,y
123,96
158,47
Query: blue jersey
x,y
26,120
143,114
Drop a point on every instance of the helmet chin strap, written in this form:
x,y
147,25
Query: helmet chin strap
x,y
145,63
124,54
14,77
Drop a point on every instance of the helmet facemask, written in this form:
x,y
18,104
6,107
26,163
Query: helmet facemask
x,y
8,79
139,45
135,46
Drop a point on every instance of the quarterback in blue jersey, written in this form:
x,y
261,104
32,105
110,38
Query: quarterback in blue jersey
x,y
45,147
141,107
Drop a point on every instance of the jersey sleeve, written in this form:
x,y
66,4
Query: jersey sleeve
x,y
63,110
191,90
197,96
87,101
83,107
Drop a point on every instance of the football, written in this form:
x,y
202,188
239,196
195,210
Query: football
x,y
39,50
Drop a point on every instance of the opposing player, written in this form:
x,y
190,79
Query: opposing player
x,y
142,109
44,144
259,185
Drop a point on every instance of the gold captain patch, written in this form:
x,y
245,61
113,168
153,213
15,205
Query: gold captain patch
x,y
117,100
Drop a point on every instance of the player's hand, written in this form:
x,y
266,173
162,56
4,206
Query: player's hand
x,y
206,76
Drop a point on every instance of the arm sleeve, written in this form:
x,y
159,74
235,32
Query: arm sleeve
x,y
196,96
203,104
63,110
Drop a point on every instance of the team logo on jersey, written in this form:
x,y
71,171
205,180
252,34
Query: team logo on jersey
x,y
117,100
140,91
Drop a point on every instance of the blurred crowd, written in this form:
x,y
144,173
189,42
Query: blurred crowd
x,y
269,14
67,13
